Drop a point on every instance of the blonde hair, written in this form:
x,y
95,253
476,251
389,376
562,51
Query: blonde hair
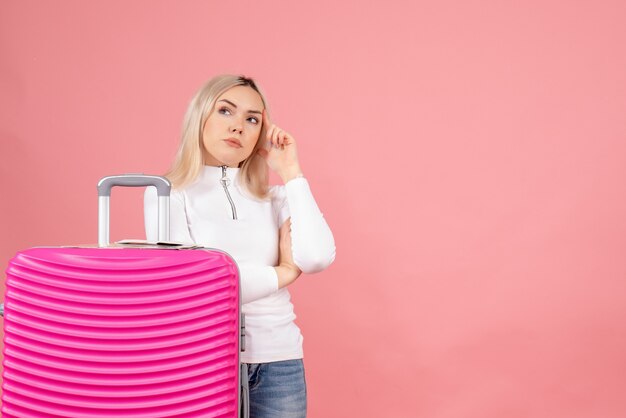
x,y
187,165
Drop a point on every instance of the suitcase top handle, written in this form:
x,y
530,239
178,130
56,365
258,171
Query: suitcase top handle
x,y
105,185
162,184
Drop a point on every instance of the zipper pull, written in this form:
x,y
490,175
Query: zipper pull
x,y
225,180
225,183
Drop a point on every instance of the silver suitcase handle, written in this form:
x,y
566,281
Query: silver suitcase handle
x,y
105,185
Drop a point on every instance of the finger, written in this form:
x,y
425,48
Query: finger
x,y
281,139
270,132
266,119
264,126
275,136
267,144
274,133
287,139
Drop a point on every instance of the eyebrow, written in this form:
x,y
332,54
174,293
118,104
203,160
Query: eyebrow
x,y
235,106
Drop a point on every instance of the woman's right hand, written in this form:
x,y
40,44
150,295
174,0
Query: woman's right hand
x,y
286,270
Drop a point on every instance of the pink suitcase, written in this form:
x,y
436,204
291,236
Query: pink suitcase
x,y
123,332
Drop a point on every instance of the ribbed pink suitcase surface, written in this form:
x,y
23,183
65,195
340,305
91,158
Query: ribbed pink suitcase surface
x,y
121,332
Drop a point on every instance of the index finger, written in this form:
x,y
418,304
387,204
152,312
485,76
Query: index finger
x,y
266,119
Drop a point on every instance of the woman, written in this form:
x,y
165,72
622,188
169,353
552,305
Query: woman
x,y
221,199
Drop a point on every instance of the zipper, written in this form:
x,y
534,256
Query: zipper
x,y
225,182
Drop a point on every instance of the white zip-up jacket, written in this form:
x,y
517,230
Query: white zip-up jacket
x,y
203,213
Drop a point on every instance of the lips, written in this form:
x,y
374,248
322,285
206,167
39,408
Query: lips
x,y
233,142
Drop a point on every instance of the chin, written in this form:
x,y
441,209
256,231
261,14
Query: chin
x,y
231,158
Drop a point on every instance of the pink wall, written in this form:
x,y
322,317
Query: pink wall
x,y
469,156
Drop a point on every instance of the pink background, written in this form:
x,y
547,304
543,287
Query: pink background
x,y
469,156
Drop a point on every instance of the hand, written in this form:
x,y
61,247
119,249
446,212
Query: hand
x,y
286,270
280,150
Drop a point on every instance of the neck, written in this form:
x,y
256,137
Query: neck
x,y
209,160
218,165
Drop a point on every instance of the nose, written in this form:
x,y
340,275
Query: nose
x,y
237,128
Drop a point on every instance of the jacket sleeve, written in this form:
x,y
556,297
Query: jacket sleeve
x,y
312,242
257,281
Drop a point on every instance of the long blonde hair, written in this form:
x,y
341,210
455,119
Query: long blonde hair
x,y
188,162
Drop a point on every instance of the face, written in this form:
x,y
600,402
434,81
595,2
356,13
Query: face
x,y
233,127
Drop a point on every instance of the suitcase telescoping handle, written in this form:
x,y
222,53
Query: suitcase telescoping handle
x,y
105,185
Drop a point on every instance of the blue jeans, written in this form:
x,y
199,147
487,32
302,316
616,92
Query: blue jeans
x,y
277,389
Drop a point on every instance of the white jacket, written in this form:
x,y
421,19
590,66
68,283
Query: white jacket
x,y
202,213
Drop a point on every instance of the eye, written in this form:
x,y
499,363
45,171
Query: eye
x,y
255,120
223,110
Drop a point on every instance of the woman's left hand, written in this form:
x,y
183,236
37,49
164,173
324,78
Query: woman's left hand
x,y
280,151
